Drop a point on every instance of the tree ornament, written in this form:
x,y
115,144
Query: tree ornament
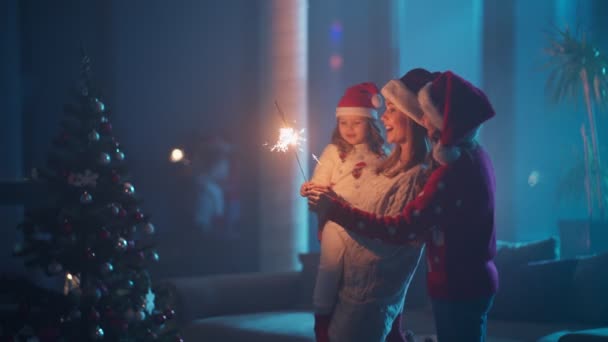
x,y
170,313
93,136
114,209
119,155
104,158
154,256
66,227
94,315
98,106
103,119
90,254
97,333
106,268
121,244
128,188
149,228
140,315
86,198
104,234
115,177
106,128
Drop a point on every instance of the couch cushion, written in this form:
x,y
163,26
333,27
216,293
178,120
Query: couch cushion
x,y
590,295
283,326
514,254
537,292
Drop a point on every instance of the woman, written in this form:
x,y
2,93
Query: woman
x,y
376,276
454,212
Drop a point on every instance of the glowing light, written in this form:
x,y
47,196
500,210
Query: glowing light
x,y
533,178
176,155
289,137
69,276
335,62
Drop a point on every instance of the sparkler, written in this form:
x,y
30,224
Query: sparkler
x,y
289,137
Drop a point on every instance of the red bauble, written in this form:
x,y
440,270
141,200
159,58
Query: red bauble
x,y
94,315
67,227
104,234
122,212
139,216
115,177
106,128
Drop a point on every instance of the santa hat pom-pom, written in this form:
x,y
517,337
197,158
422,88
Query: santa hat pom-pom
x,y
377,100
446,154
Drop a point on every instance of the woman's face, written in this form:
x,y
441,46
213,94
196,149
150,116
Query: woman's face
x,y
395,123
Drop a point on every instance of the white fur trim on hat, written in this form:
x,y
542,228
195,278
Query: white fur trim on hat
x,y
405,100
446,154
428,107
357,111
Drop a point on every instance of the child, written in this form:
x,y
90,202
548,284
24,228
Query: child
x,y
355,153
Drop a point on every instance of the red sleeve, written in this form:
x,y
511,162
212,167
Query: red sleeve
x,y
417,217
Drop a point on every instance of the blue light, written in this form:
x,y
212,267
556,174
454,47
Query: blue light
x,y
335,31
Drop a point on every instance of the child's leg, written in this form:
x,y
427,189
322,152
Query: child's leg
x,y
331,266
329,276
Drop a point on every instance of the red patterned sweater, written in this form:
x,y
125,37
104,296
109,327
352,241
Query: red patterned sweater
x,y
454,214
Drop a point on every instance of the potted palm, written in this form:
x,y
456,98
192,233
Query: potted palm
x,y
580,71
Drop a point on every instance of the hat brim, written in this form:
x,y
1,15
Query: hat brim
x,y
404,99
430,111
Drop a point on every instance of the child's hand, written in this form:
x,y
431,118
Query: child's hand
x,y
305,188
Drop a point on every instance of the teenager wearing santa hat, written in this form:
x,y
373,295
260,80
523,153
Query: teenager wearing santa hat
x,y
454,212
361,283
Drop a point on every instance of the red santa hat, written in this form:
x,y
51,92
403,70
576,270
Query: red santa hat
x,y
362,99
457,108
403,92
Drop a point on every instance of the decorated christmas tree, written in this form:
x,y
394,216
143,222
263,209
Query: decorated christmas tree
x,y
93,233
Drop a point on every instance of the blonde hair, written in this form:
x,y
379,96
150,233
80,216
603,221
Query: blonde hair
x,y
418,146
374,139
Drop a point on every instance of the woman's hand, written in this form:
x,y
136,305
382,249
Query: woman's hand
x,y
321,198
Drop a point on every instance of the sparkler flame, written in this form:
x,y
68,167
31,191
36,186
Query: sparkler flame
x,y
289,137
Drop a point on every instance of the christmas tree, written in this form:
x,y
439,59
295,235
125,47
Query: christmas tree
x,y
93,232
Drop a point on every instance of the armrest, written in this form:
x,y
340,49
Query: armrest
x,y
208,296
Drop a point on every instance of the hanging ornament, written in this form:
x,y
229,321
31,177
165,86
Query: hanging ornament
x,y
114,208
122,212
106,128
90,254
104,234
121,244
94,315
139,216
98,106
170,313
86,198
106,268
149,228
93,136
104,119
128,188
66,227
97,333
154,256
159,318
140,315
55,268
104,158
115,177
119,155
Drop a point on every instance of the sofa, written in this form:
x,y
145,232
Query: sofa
x,y
542,298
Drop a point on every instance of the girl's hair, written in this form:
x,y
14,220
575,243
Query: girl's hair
x,y
374,139
418,146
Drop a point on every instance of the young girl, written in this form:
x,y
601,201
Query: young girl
x,y
355,152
